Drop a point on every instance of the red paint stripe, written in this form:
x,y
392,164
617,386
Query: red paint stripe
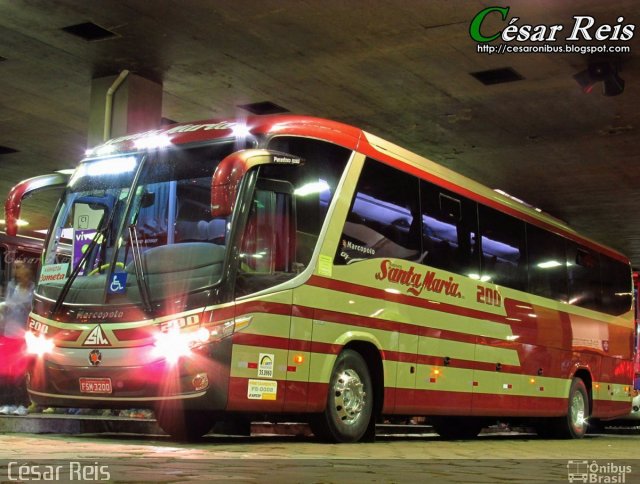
x,y
134,334
252,366
276,342
261,340
260,306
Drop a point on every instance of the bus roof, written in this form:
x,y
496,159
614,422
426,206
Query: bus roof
x,y
349,137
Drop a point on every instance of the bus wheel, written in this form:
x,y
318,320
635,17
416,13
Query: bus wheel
x,y
574,425
347,415
456,428
184,424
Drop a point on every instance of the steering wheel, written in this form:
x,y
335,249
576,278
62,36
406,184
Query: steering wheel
x,y
103,267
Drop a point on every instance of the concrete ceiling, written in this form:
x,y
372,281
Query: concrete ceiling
x,y
399,68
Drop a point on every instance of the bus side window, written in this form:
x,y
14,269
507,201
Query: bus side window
x,y
547,264
583,267
383,220
504,259
450,232
616,286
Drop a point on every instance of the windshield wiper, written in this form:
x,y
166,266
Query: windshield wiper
x,y
138,265
99,235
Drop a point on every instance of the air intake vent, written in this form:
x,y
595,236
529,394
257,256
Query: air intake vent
x,y
264,107
497,76
89,32
5,150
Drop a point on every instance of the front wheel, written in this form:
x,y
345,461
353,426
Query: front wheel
x,y
347,415
184,424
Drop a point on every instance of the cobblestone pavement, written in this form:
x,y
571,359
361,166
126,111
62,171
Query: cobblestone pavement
x,y
491,458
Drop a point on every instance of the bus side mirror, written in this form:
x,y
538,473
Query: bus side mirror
x,y
226,179
25,189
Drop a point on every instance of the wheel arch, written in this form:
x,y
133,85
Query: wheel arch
x,y
585,375
373,358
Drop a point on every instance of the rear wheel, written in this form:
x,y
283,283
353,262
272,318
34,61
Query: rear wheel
x,y
457,428
574,425
347,415
184,424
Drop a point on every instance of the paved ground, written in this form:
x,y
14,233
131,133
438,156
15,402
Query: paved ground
x,y
129,458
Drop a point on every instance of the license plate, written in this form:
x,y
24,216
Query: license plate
x,y
95,385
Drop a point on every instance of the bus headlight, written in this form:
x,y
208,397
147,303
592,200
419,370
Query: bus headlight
x,y
38,345
174,344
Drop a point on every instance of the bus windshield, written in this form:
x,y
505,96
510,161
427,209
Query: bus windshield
x,y
137,227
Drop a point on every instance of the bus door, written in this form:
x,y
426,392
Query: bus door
x,y
265,259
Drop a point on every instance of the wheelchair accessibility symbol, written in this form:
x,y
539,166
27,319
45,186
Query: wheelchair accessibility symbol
x,y
118,283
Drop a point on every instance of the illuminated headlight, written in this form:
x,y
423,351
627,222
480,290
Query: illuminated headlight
x,y
38,345
175,344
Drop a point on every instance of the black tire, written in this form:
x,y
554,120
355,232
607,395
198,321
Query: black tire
x,y
184,424
457,428
574,424
347,416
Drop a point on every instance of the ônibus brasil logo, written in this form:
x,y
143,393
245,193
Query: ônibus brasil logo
x,y
584,28
417,282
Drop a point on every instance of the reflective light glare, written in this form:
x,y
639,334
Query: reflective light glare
x,y
478,277
38,345
311,188
152,142
549,264
392,290
19,222
102,150
240,130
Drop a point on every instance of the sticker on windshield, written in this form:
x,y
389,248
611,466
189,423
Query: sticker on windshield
x,y
81,241
118,283
53,272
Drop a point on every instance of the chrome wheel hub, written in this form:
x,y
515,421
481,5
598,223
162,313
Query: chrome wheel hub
x,y
349,396
578,411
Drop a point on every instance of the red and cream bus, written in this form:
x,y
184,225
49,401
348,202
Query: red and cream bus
x,y
287,266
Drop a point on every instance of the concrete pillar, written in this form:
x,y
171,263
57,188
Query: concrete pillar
x,y
136,106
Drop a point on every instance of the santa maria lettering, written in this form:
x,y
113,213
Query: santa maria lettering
x,y
417,282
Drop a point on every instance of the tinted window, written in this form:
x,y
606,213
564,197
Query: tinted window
x,y
314,185
504,259
616,286
583,271
547,264
384,217
449,230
